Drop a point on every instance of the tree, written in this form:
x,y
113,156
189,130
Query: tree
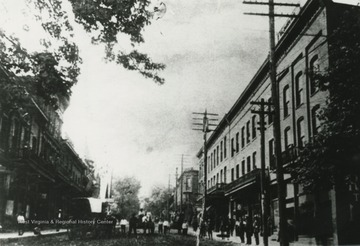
x,y
158,201
54,70
126,191
333,155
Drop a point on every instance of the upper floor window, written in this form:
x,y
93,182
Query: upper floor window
x,y
221,176
248,162
225,146
237,142
225,174
217,155
237,171
314,68
232,174
299,88
212,161
271,153
301,132
254,160
248,132
232,147
270,116
315,119
243,137
254,125
221,151
286,100
287,137
243,167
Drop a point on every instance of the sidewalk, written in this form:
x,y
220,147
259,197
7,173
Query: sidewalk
x,y
15,235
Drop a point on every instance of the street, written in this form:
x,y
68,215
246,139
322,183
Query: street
x,y
171,239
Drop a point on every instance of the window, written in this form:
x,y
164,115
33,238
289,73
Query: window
x,y
243,137
270,116
243,167
232,174
188,184
225,175
314,68
315,119
217,155
271,153
299,89
237,171
232,147
225,144
254,125
221,176
217,178
286,100
237,142
208,184
211,161
248,132
286,137
214,161
301,132
221,151
248,162
254,160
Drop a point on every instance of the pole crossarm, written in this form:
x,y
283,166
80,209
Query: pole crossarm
x,y
261,103
276,4
262,112
273,15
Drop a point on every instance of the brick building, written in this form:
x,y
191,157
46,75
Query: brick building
x,y
39,170
233,150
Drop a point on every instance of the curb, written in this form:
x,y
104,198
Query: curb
x,y
14,239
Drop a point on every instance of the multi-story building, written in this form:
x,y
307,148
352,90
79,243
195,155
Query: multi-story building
x,y
186,192
233,150
39,171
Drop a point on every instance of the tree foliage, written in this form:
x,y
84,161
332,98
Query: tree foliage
x,y
55,69
334,153
158,200
126,191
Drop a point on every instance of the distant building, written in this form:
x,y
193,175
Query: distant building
x,y
186,192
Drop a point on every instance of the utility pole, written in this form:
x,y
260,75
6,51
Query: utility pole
x,y
176,187
181,182
276,125
205,129
263,178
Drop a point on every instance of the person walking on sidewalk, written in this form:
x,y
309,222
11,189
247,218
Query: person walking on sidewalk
x,y
248,230
133,224
21,223
256,229
241,229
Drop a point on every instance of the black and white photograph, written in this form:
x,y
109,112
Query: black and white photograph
x,y
179,122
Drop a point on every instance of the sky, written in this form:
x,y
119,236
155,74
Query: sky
x,y
133,127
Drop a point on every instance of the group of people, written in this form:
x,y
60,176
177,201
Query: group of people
x,y
246,227
21,224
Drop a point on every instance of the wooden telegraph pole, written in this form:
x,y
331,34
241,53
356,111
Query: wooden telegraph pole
x,y
263,178
276,125
205,129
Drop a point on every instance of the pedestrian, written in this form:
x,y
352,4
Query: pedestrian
x,y
160,225
248,230
184,227
242,229
232,225
166,226
256,229
133,224
180,222
209,228
21,223
194,223
36,228
123,223
145,223
59,217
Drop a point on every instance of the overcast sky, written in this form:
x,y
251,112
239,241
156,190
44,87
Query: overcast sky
x,y
136,127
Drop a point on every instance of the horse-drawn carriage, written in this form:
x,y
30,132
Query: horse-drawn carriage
x,y
88,219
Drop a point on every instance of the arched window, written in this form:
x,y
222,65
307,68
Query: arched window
x,y
286,100
299,89
301,132
315,119
287,137
314,68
